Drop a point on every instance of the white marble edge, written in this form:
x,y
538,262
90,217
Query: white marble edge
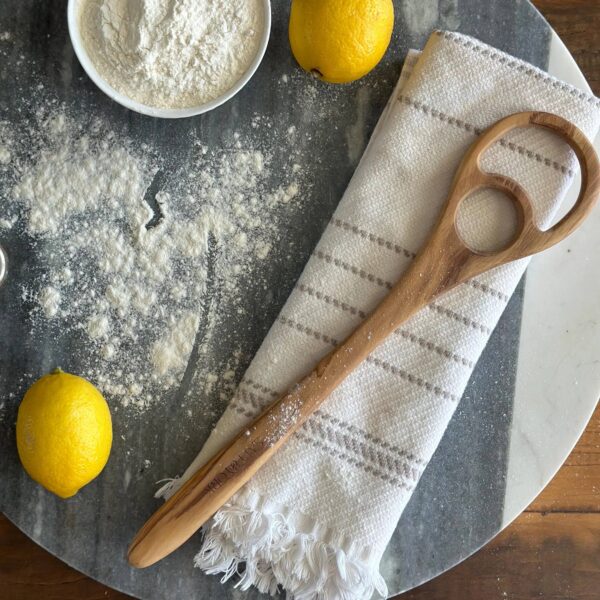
x,y
558,372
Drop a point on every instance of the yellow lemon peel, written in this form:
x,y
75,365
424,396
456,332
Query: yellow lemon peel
x,y
340,40
64,432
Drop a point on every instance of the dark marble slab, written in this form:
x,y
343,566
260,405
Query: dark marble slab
x,y
458,505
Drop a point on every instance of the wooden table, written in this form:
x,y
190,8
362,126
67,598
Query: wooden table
x,y
552,551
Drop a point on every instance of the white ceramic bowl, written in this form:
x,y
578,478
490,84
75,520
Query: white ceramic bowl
x,y
165,113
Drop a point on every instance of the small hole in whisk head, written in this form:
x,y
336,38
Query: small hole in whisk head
x,y
487,221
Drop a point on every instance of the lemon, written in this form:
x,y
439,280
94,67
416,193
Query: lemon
x,y
340,40
64,432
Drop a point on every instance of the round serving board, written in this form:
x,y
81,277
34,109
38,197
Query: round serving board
x,y
528,400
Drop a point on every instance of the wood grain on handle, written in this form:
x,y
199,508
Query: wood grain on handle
x,y
443,263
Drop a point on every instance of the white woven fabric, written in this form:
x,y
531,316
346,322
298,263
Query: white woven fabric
x,y
317,518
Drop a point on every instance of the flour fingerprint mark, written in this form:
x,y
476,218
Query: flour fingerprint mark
x,y
151,200
211,297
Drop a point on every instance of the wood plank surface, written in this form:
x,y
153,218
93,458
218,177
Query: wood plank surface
x,y
577,22
27,571
552,551
550,556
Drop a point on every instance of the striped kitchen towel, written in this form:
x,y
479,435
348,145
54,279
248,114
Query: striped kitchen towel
x,y
317,518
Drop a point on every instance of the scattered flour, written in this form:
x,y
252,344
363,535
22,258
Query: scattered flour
x,y
98,326
7,223
124,245
171,352
172,53
49,301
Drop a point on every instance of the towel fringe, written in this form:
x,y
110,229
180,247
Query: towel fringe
x,y
262,548
169,488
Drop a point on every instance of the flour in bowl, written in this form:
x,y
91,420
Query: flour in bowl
x,y
172,53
